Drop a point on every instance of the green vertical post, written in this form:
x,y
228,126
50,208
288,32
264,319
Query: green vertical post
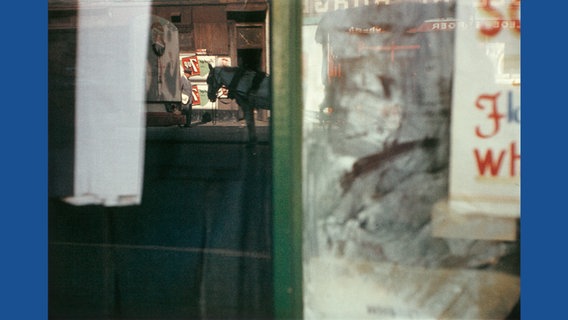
x,y
286,70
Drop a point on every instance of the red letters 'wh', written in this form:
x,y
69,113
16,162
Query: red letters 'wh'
x,y
494,165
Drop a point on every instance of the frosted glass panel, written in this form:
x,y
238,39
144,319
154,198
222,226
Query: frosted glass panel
x,y
378,79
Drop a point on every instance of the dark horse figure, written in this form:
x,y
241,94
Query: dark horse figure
x,y
251,90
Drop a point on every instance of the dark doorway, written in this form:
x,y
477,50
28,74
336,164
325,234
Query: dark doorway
x,y
250,59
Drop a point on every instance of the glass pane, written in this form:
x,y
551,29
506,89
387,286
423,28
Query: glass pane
x,y
378,85
198,243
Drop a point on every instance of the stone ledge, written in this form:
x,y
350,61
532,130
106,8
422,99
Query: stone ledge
x,y
448,224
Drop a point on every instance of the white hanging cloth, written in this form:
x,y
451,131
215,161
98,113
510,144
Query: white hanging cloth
x,y
110,102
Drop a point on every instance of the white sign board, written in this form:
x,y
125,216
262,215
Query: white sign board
x,y
486,109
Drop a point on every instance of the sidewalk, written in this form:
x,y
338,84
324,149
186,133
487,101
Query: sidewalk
x,y
228,123
210,132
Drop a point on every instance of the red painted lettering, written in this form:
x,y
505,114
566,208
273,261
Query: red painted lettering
x,y
493,115
514,8
488,162
494,28
495,22
515,158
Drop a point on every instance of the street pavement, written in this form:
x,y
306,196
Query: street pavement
x,y
198,247
215,131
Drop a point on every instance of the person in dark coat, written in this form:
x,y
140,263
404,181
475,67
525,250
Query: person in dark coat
x,y
186,96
